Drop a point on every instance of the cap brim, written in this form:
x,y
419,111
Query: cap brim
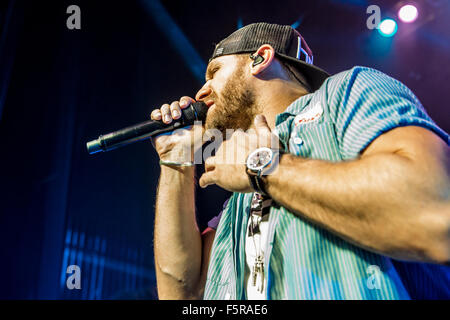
x,y
314,75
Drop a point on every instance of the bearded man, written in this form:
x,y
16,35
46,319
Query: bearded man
x,y
354,205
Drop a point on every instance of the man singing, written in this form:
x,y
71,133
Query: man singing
x,y
354,205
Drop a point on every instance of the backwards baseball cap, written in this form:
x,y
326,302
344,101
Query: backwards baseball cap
x,y
286,41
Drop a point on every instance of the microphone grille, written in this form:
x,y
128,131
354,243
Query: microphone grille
x,y
196,111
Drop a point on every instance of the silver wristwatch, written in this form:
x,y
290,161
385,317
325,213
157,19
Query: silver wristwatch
x,y
259,163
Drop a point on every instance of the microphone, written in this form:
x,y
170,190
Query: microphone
x,y
196,111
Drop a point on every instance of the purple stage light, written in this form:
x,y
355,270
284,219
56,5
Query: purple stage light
x,y
408,13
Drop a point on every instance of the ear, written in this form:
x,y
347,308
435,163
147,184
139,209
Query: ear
x,y
268,53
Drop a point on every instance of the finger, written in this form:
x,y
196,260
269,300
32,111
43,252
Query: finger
x,y
206,179
210,164
185,101
263,131
261,124
156,115
165,110
175,110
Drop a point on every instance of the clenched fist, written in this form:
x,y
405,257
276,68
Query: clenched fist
x,y
181,144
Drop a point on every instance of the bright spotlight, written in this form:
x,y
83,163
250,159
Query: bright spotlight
x,y
387,27
408,13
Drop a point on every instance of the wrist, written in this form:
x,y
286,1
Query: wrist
x,y
180,155
170,170
288,166
260,164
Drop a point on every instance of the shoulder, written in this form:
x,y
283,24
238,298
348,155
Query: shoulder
x,y
360,79
368,88
356,75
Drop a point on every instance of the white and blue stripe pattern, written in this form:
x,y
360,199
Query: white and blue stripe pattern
x,y
304,261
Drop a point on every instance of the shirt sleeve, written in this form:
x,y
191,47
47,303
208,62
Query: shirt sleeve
x,y
364,103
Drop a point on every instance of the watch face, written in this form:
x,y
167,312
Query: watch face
x,y
259,159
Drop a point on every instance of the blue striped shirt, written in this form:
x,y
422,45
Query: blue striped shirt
x,y
304,261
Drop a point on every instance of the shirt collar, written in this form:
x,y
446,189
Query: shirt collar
x,y
283,120
293,109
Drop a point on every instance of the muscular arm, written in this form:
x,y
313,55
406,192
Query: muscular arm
x,y
393,200
181,255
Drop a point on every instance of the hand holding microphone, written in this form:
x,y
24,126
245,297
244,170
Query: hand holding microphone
x,y
167,119
178,147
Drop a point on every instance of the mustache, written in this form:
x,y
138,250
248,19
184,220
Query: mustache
x,y
212,97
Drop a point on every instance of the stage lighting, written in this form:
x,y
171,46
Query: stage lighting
x,y
387,27
408,13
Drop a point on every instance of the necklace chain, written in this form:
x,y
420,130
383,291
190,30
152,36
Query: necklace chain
x,y
256,214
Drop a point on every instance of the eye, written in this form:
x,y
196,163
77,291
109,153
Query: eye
x,y
211,72
215,69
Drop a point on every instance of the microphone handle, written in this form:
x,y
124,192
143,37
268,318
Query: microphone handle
x,y
140,131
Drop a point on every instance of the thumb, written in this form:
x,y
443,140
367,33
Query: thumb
x,y
261,124
206,179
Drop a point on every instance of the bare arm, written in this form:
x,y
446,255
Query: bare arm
x,y
177,242
393,200
181,253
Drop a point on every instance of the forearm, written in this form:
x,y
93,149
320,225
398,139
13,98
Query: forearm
x,y
177,243
380,203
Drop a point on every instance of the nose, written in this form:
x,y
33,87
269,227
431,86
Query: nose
x,y
203,93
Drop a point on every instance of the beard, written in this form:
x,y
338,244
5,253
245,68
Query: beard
x,y
236,106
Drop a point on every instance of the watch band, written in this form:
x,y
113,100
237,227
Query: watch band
x,y
257,183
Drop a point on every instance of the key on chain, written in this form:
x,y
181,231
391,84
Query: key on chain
x,y
258,269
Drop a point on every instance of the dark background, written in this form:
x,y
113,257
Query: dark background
x,y
60,88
